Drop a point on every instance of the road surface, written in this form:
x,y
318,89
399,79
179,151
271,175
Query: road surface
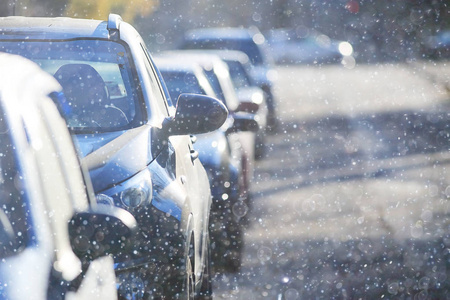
x,y
353,198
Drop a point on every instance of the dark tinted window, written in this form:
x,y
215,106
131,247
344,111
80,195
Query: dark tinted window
x,y
181,82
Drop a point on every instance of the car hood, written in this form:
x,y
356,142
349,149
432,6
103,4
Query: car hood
x,y
115,156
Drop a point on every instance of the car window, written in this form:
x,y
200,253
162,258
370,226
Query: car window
x,y
96,75
156,88
13,209
220,80
181,82
66,157
238,74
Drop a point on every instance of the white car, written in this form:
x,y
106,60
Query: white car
x,y
54,239
135,143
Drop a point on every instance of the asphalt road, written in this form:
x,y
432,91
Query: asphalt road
x,y
353,198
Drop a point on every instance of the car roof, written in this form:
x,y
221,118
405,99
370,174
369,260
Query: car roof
x,y
219,33
175,64
204,58
231,55
51,28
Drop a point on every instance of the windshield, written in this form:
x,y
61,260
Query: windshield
x,y
96,76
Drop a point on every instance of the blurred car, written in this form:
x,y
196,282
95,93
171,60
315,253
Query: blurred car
x,y
437,46
221,156
216,71
252,98
55,241
248,40
135,144
305,46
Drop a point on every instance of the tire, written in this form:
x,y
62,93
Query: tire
x,y
260,145
205,289
190,262
228,244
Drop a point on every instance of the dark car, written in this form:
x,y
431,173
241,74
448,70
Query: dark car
x,y
221,155
248,40
308,47
437,46
135,144
55,240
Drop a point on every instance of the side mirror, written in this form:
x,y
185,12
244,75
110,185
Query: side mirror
x,y
243,122
196,114
102,231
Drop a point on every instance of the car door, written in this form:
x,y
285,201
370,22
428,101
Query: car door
x,y
189,174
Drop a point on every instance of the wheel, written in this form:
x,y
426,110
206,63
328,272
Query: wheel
x,y
205,289
190,262
260,146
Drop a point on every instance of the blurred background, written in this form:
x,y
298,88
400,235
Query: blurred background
x,y
379,30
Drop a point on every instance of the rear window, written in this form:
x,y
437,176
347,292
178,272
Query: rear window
x,y
181,82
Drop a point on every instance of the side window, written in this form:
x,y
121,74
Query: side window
x,y
13,208
155,84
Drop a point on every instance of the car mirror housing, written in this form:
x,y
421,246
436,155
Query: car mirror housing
x,y
196,114
104,230
243,122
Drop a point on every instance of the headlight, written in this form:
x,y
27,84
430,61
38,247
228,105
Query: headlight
x,y
134,196
134,192
104,199
345,48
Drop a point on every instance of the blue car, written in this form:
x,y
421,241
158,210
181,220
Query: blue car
x,y
134,142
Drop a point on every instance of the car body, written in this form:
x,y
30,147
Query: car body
x,y
221,155
306,46
248,40
217,72
135,144
45,252
252,98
